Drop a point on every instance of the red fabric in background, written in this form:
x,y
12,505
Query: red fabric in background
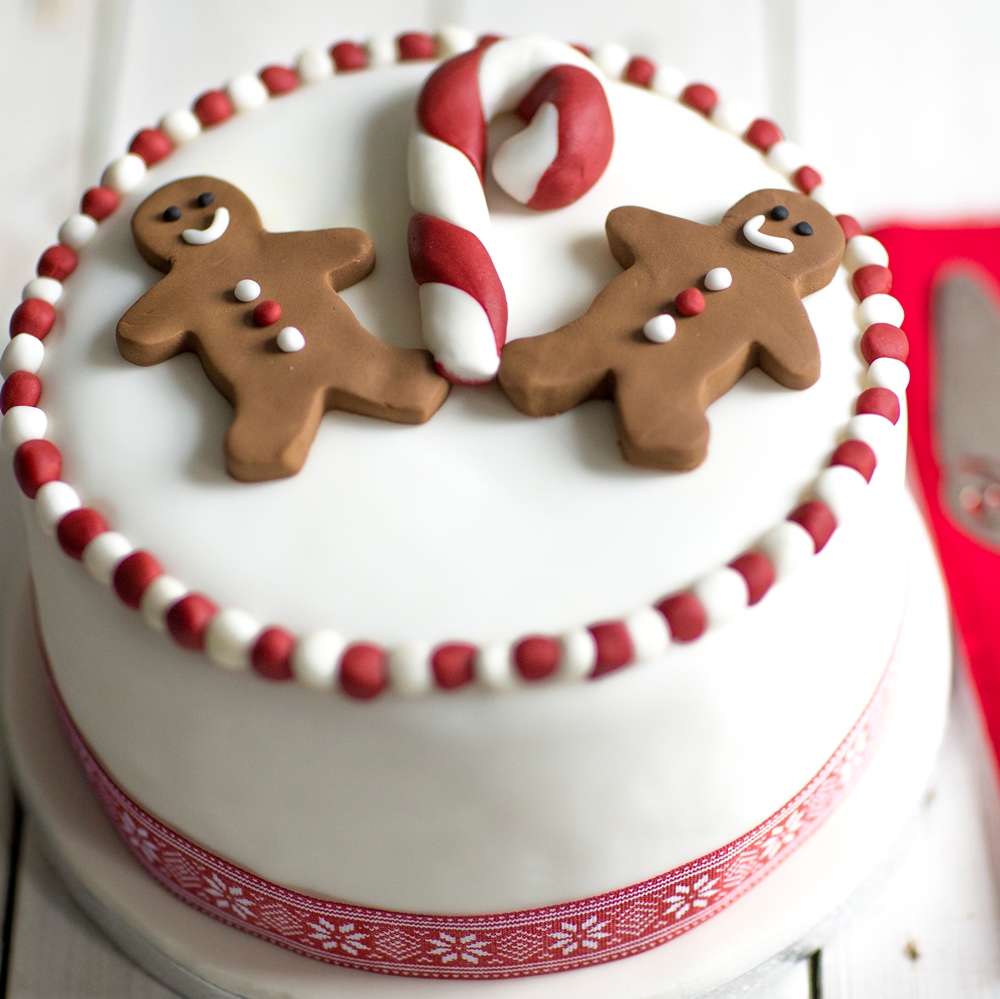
x,y
917,257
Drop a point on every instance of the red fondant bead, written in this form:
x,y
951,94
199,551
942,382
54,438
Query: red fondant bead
x,y
857,455
415,45
452,664
57,262
701,97
133,575
873,279
348,55
685,616
537,657
35,463
362,671
614,646
639,71
279,79
213,108
807,179
818,519
486,40
690,302
763,134
188,620
271,656
758,572
884,340
266,313
34,316
99,202
880,401
850,225
151,144
77,529
582,49
21,388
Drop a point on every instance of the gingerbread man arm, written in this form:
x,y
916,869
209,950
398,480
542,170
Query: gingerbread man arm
x,y
154,329
787,348
350,253
642,234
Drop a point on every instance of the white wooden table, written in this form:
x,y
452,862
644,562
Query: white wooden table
x,y
897,102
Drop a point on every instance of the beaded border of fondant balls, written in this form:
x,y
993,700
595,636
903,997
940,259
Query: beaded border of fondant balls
x,y
325,659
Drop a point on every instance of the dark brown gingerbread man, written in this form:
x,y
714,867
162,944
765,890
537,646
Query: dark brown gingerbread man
x,y
261,311
663,344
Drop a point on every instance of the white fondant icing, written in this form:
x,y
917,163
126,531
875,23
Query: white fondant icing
x,y
247,92
317,656
230,636
723,594
843,490
48,289
23,352
887,372
410,668
443,309
52,502
22,423
314,65
660,329
158,598
247,290
776,244
520,163
719,279
217,229
291,340
579,654
77,231
863,250
880,309
124,174
180,126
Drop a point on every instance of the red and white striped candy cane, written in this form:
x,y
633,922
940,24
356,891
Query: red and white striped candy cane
x,y
555,160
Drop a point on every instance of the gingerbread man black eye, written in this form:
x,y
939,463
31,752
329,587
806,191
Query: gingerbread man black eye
x,y
779,213
804,229
171,214
204,200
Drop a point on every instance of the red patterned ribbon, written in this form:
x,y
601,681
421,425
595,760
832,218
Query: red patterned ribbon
x,y
504,945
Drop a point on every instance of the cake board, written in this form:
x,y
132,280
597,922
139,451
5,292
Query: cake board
x,y
776,920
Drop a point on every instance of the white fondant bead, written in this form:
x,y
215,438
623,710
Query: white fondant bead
x,y
161,594
23,423
230,636
890,373
247,92
786,157
669,81
314,65
77,231
410,668
381,51
611,59
291,340
649,632
660,329
453,39
876,431
23,353
124,174
247,290
316,658
52,502
880,309
862,251
103,554
788,546
842,489
494,667
48,289
718,279
579,654
733,116
723,593
180,126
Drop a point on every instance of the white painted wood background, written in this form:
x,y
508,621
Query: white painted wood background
x,y
898,102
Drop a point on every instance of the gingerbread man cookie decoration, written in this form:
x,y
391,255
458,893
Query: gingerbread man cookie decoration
x,y
695,309
261,311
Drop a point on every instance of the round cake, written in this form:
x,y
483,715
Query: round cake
x,y
519,655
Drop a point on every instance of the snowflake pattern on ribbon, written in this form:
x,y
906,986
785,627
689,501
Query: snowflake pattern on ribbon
x,y
554,938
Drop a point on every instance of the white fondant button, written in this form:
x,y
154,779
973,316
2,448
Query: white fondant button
x,y
718,279
290,340
247,291
660,328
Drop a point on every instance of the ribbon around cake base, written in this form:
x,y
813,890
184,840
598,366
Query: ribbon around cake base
x,y
552,938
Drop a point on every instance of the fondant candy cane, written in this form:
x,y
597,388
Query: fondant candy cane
x,y
550,164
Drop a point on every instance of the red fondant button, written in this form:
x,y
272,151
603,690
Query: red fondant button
x,y
271,657
34,316
266,313
690,302
77,529
452,664
57,262
133,575
640,71
880,401
213,108
348,55
415,45
757,570
701,97
873,279
685,615
818,519
362,671
884,340
279,79
763,134
857,455
614,646
35,463
21,388
537,657
99,202
151,144
188,619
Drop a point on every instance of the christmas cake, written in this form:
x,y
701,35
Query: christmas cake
x,y
463,483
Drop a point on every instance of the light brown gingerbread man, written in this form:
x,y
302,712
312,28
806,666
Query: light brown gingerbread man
x,y
695,309
261,311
